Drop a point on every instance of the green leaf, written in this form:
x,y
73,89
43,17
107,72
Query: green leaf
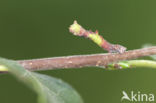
x,y
48,89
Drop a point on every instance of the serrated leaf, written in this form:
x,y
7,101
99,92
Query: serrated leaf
x,y
48,89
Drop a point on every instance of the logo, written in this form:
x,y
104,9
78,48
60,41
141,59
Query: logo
x,y
137,96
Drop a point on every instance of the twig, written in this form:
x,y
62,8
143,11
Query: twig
x,y
108,60
78,30
142,63
80,61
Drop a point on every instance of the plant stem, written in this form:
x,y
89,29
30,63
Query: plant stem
x,y
78,30
80,61
132,64
142,63
96,60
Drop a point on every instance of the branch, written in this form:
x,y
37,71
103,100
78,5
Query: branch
x,y
132,64
80,61
142,63
114,59
78,30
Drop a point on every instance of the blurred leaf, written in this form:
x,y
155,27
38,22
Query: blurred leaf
x,y
49,89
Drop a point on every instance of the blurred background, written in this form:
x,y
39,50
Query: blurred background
x,y
39,28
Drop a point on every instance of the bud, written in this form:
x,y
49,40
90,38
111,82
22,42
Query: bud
x,y
75,28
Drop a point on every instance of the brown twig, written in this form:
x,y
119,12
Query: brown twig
x,y
84,60
78,30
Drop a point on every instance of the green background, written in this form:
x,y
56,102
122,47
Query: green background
x,y
39,28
